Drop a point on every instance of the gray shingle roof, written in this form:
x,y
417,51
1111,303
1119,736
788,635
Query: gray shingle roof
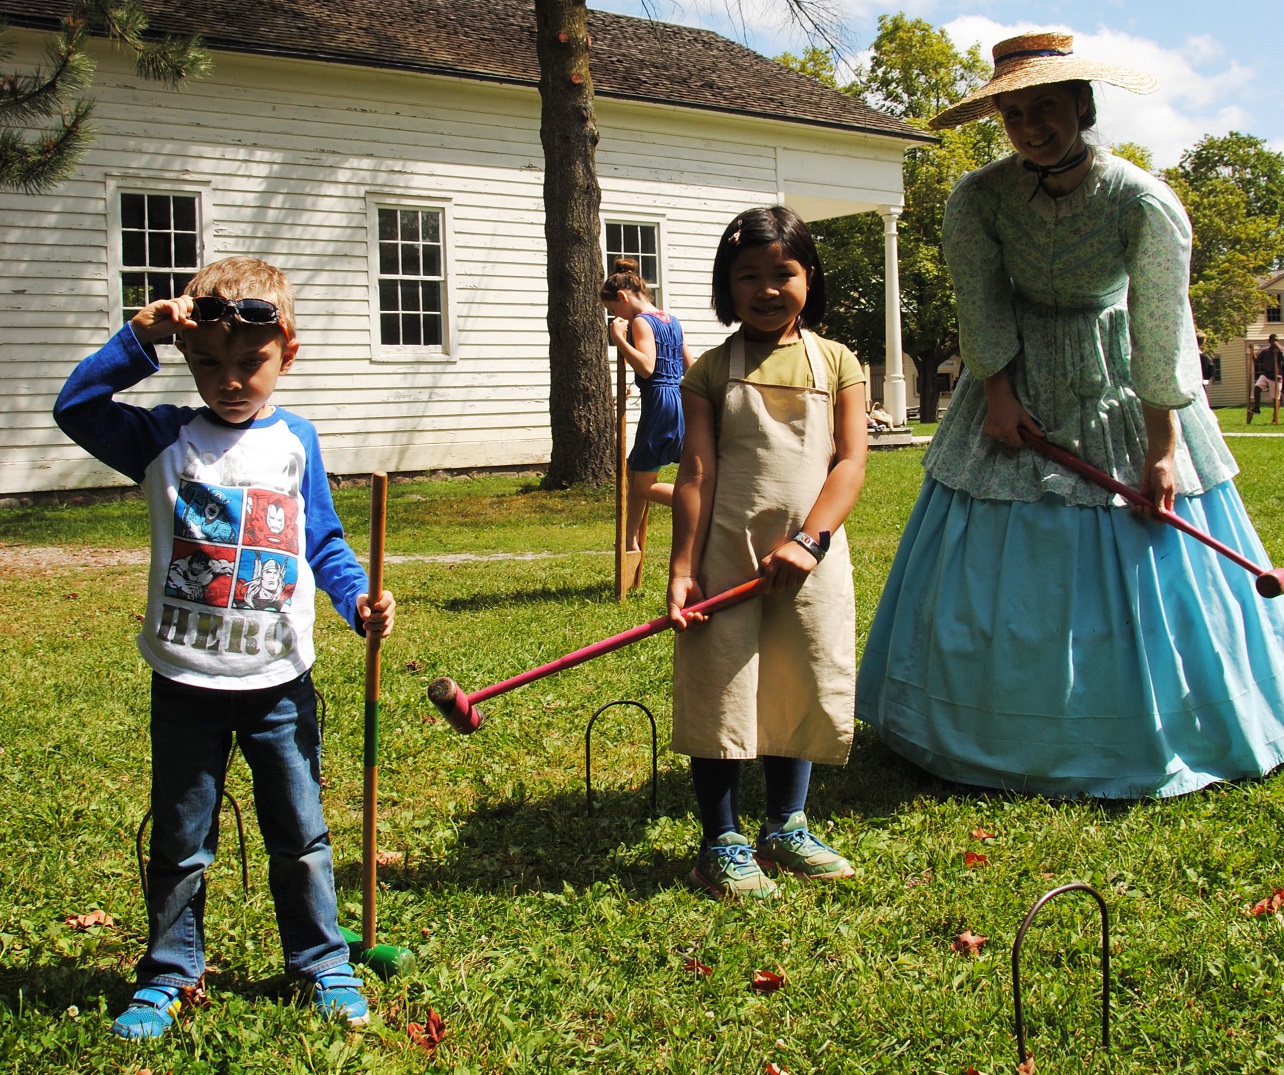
x,y
495,41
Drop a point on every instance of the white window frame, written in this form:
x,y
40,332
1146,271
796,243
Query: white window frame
x,y
159,183
636,220
411,354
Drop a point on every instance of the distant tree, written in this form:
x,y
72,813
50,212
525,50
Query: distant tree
x,y
914,72
1137,154
1231,251
815,62
1246,162
45,125
1233,189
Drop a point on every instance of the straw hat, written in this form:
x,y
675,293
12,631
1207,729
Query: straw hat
x,y
1037,59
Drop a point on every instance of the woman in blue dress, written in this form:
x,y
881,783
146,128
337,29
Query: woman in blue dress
x,y
1034,634
651,343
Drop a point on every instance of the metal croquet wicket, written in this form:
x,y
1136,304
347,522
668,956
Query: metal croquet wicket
x,y
588,756
1077,886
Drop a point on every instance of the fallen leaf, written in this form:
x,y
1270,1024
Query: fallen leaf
x,y
971,1071
968,942
981,834
388,858
775,1069
93,918
764,981
413,666
696,967
1028,1067
70,596
428,1034
1271,904
972,860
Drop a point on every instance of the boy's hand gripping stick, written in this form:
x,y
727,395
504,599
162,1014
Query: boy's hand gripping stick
x,y
1270,581
461,709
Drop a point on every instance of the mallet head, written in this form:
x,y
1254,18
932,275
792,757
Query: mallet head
x,y
454,706
1271,583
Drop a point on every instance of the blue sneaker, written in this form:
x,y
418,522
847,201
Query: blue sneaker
x,y
792,847
336,993
727,868
151,1012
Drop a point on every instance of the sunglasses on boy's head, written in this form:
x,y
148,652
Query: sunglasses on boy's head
x,y
246,311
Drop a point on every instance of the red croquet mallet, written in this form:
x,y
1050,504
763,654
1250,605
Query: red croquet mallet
x,y
461,709
1270,580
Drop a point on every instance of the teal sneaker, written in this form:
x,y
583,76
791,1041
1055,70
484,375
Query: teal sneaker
x,y
795,849
336,993
727,868
151,1012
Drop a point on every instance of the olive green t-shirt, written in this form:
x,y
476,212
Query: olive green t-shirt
x,y
768,363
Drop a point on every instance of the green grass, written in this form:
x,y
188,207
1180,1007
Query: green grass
x,y
552,941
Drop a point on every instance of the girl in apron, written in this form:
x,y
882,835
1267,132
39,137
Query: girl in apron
x,y
772,461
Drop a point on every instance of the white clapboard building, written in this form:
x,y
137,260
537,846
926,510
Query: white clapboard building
x,y
330,125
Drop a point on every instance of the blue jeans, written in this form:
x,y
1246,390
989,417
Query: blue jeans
x,y
276,729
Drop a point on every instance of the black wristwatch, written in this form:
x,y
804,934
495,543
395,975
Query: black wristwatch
x,y
816,548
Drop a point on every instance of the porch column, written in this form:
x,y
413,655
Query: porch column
x,y
894,381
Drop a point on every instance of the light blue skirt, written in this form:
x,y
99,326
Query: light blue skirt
x,y
1073,651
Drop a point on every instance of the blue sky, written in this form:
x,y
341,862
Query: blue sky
x,y
1217,60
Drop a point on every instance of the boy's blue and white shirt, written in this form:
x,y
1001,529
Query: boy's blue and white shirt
x,y
243,528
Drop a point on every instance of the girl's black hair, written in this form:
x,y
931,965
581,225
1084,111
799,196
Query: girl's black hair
x,y
773,226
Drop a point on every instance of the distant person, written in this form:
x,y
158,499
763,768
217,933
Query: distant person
x,y
1269,367
228,659
1034,635
1207,367
651,342
773,460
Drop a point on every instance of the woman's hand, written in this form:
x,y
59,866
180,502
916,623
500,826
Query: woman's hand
x,y
1004,415
788,566
1159,469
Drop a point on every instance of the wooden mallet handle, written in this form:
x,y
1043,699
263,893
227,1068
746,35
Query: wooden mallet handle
x,y
370,798
1270,581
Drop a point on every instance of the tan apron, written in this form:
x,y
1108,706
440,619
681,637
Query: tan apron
x,y
775,675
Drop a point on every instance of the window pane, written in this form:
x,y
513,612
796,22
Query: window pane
x,y
410,260
185,249
158,249
432,261
158,214
430,227
430,293
410,331
409,226
184,214
432,330
389,333
388,259
387,224
133,248
388,295
132,212
409,294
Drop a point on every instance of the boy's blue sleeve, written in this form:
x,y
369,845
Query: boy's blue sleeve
x,y
124,437
334,564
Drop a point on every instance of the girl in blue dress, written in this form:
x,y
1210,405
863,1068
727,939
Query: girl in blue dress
x,y
651,342
1033,634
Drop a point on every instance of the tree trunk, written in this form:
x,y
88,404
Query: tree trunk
x,y
579,397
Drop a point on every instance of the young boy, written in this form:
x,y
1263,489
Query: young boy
x,y
243,530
